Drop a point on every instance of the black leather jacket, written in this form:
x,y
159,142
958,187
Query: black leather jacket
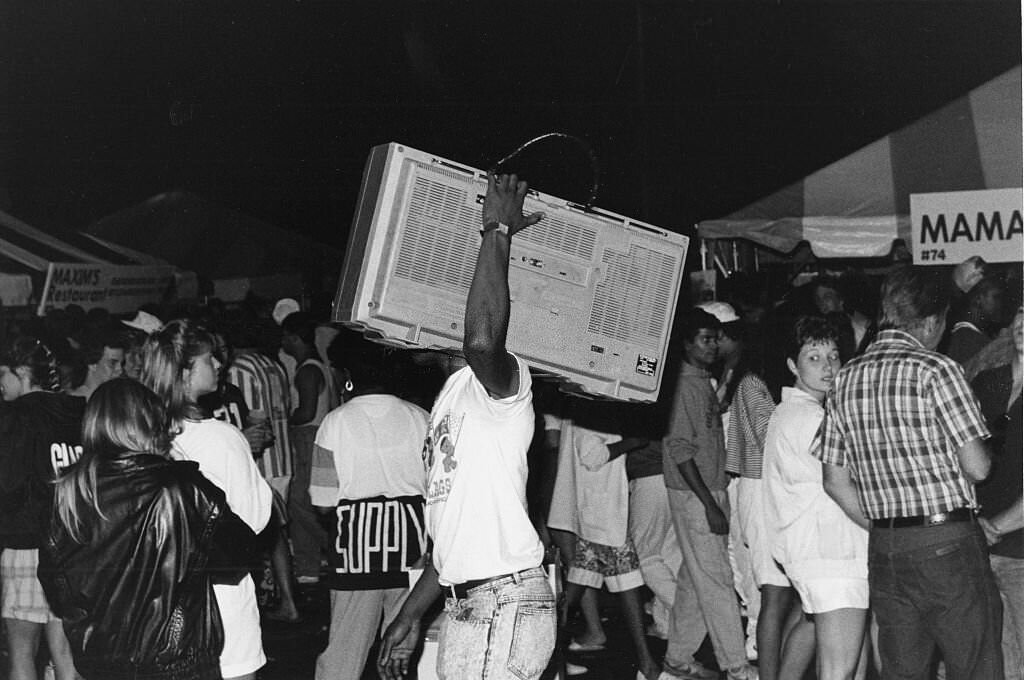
x,y
136,595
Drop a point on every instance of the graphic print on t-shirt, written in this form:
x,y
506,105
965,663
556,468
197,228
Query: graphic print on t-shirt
x,y
64,454
442,438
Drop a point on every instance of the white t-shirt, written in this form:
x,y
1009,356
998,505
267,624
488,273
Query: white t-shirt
x,y
808,532
563,513
374,443
476,484
225,459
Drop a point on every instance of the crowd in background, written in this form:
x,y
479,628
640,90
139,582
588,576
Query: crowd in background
x,y
665,504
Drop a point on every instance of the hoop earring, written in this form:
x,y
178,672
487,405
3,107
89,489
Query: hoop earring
x,y
349,386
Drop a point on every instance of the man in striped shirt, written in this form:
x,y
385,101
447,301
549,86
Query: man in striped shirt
x,y
902,442
264,384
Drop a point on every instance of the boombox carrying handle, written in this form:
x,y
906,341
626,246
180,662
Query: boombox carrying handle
x,y
595,168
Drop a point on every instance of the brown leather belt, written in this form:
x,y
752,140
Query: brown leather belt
x,y
461,590
958,515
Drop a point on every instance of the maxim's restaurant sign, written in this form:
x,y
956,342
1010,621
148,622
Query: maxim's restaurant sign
x,y
949,227
119,289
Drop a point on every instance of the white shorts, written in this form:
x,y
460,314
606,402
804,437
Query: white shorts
x,y
23,597
750,497
820,595
243,638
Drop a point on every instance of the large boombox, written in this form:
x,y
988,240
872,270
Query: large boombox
x,y
593,293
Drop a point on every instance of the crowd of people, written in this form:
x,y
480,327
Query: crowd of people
x,y
831,480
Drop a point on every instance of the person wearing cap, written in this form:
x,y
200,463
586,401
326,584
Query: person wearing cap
x,y
694,466
137,330
323,336
499,620
313,396
732,367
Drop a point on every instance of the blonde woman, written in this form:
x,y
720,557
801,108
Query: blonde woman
x,y
136,542
179,366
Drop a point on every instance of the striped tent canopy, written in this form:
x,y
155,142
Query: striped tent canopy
x,y
27,252
857,206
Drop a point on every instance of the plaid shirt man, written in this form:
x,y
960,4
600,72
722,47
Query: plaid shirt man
x,y
896,417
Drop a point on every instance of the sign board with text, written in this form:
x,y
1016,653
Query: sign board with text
x,y
118,289
949,227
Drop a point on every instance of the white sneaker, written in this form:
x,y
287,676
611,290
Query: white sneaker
x,y
575,668
744,672
654,630
689,671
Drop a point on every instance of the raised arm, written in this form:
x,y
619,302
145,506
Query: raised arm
x,y
487,307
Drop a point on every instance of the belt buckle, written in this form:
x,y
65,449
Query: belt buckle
x,y
936,519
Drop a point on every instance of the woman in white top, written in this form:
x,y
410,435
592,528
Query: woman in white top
x,y
822,550
179,365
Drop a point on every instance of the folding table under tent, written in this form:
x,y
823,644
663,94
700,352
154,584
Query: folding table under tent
x,y
857,206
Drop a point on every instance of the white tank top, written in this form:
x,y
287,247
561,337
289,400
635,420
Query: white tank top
x,y
326,400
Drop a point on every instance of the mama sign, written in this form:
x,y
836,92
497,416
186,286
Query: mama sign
x,y
949,227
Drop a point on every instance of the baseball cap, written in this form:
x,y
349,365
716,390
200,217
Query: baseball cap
x,y
720,310
145,322
283,308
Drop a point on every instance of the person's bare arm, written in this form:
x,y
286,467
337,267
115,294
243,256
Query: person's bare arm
x,y
838,483
717,520
308,383
975,461
624,446
488,305
399,640
1009,520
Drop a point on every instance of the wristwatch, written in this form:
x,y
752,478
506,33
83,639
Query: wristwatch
x,y
500,227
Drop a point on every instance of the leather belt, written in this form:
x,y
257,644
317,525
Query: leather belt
x,y
461,590
958,515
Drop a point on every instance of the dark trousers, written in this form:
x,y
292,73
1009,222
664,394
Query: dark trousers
x,y
934,586
308,537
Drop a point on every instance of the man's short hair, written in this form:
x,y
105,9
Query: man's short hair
x,y
912,294
983,288
810,329
90,351
302,325
691,321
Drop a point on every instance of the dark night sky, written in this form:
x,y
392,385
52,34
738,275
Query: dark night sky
x,y
694,109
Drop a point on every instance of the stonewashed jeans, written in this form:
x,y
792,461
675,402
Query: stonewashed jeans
x,y
499,632
933,586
